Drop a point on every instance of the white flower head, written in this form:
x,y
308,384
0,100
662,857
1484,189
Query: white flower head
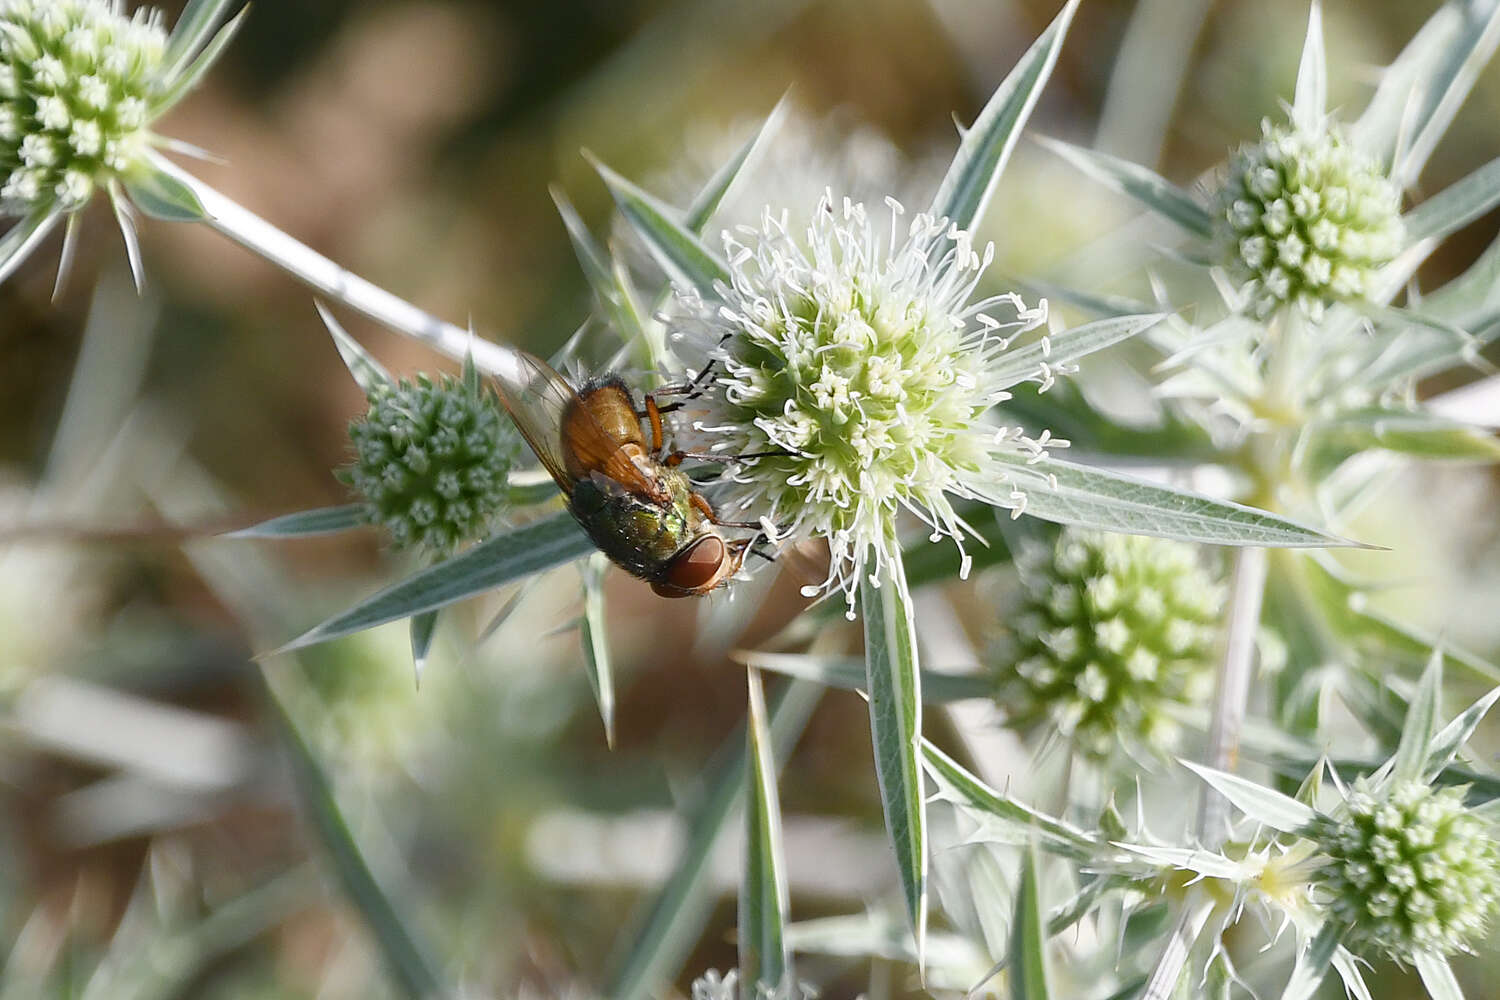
x,y
75,75
851,359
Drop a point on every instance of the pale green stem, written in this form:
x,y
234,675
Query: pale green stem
x,y
1232,692
340,285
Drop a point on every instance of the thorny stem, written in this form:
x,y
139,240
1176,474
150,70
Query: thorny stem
x,y
343,286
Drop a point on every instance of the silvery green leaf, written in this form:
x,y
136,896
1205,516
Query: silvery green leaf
x,y
987,145
875,934
1310,102
596,659
22,237
319,521
1412,432
708,200
185,77
958,786
1022,363
509,555
1470,301
1313,963
764,957
1199,860
408,961
676,248
1420,723
612,298
1451,739
1487,812
1028,939
1456,205
1437,976
194,27
847,673
1421,91
1345,608
676,917
1089,301
1110,501
423,630
161,196
525,490
368,373
1141,183
894,684
1264,805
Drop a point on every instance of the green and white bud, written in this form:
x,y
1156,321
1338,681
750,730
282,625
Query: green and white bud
x,y
1304,218
1112,630
1410,869
432,461
80,84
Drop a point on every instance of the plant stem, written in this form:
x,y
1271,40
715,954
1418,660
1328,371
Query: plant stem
x,y
1232,693
343,286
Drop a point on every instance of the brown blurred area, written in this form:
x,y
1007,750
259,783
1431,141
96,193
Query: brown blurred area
x,y
414,142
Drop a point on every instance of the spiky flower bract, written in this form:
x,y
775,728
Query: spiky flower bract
x,y
1113,631
79,86
1305,218
431,461
1410,869
851,357
712,986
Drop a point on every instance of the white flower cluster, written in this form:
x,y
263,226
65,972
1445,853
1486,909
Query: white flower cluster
x,y
1306,218
1411,869
78,85
1113,630
851,357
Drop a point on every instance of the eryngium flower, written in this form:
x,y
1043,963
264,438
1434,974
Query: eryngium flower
x,y
79,85
431,461
851,354
1112,631
1304,217
1410,869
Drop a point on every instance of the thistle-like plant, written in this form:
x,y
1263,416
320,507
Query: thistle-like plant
x,y
1113,636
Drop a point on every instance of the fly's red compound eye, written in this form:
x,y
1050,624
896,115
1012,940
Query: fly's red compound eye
x,y
694,570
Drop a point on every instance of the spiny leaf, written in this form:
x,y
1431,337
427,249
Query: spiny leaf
x,y
1264,805
986,147
596,645
508,556
675,247
1141,183
764,957
895,693
1110,501
319,521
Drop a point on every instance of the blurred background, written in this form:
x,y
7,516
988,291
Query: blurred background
x,y
152,817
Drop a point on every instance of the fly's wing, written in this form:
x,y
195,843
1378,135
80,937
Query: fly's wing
x,y
537,402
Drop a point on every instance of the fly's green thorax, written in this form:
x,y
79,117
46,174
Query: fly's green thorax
x,y
637,533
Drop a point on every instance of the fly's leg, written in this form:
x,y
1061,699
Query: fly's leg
x,y
687,390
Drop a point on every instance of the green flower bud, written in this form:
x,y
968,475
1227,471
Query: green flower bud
x,y
1112,630
1410,869
432,461
1306,218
